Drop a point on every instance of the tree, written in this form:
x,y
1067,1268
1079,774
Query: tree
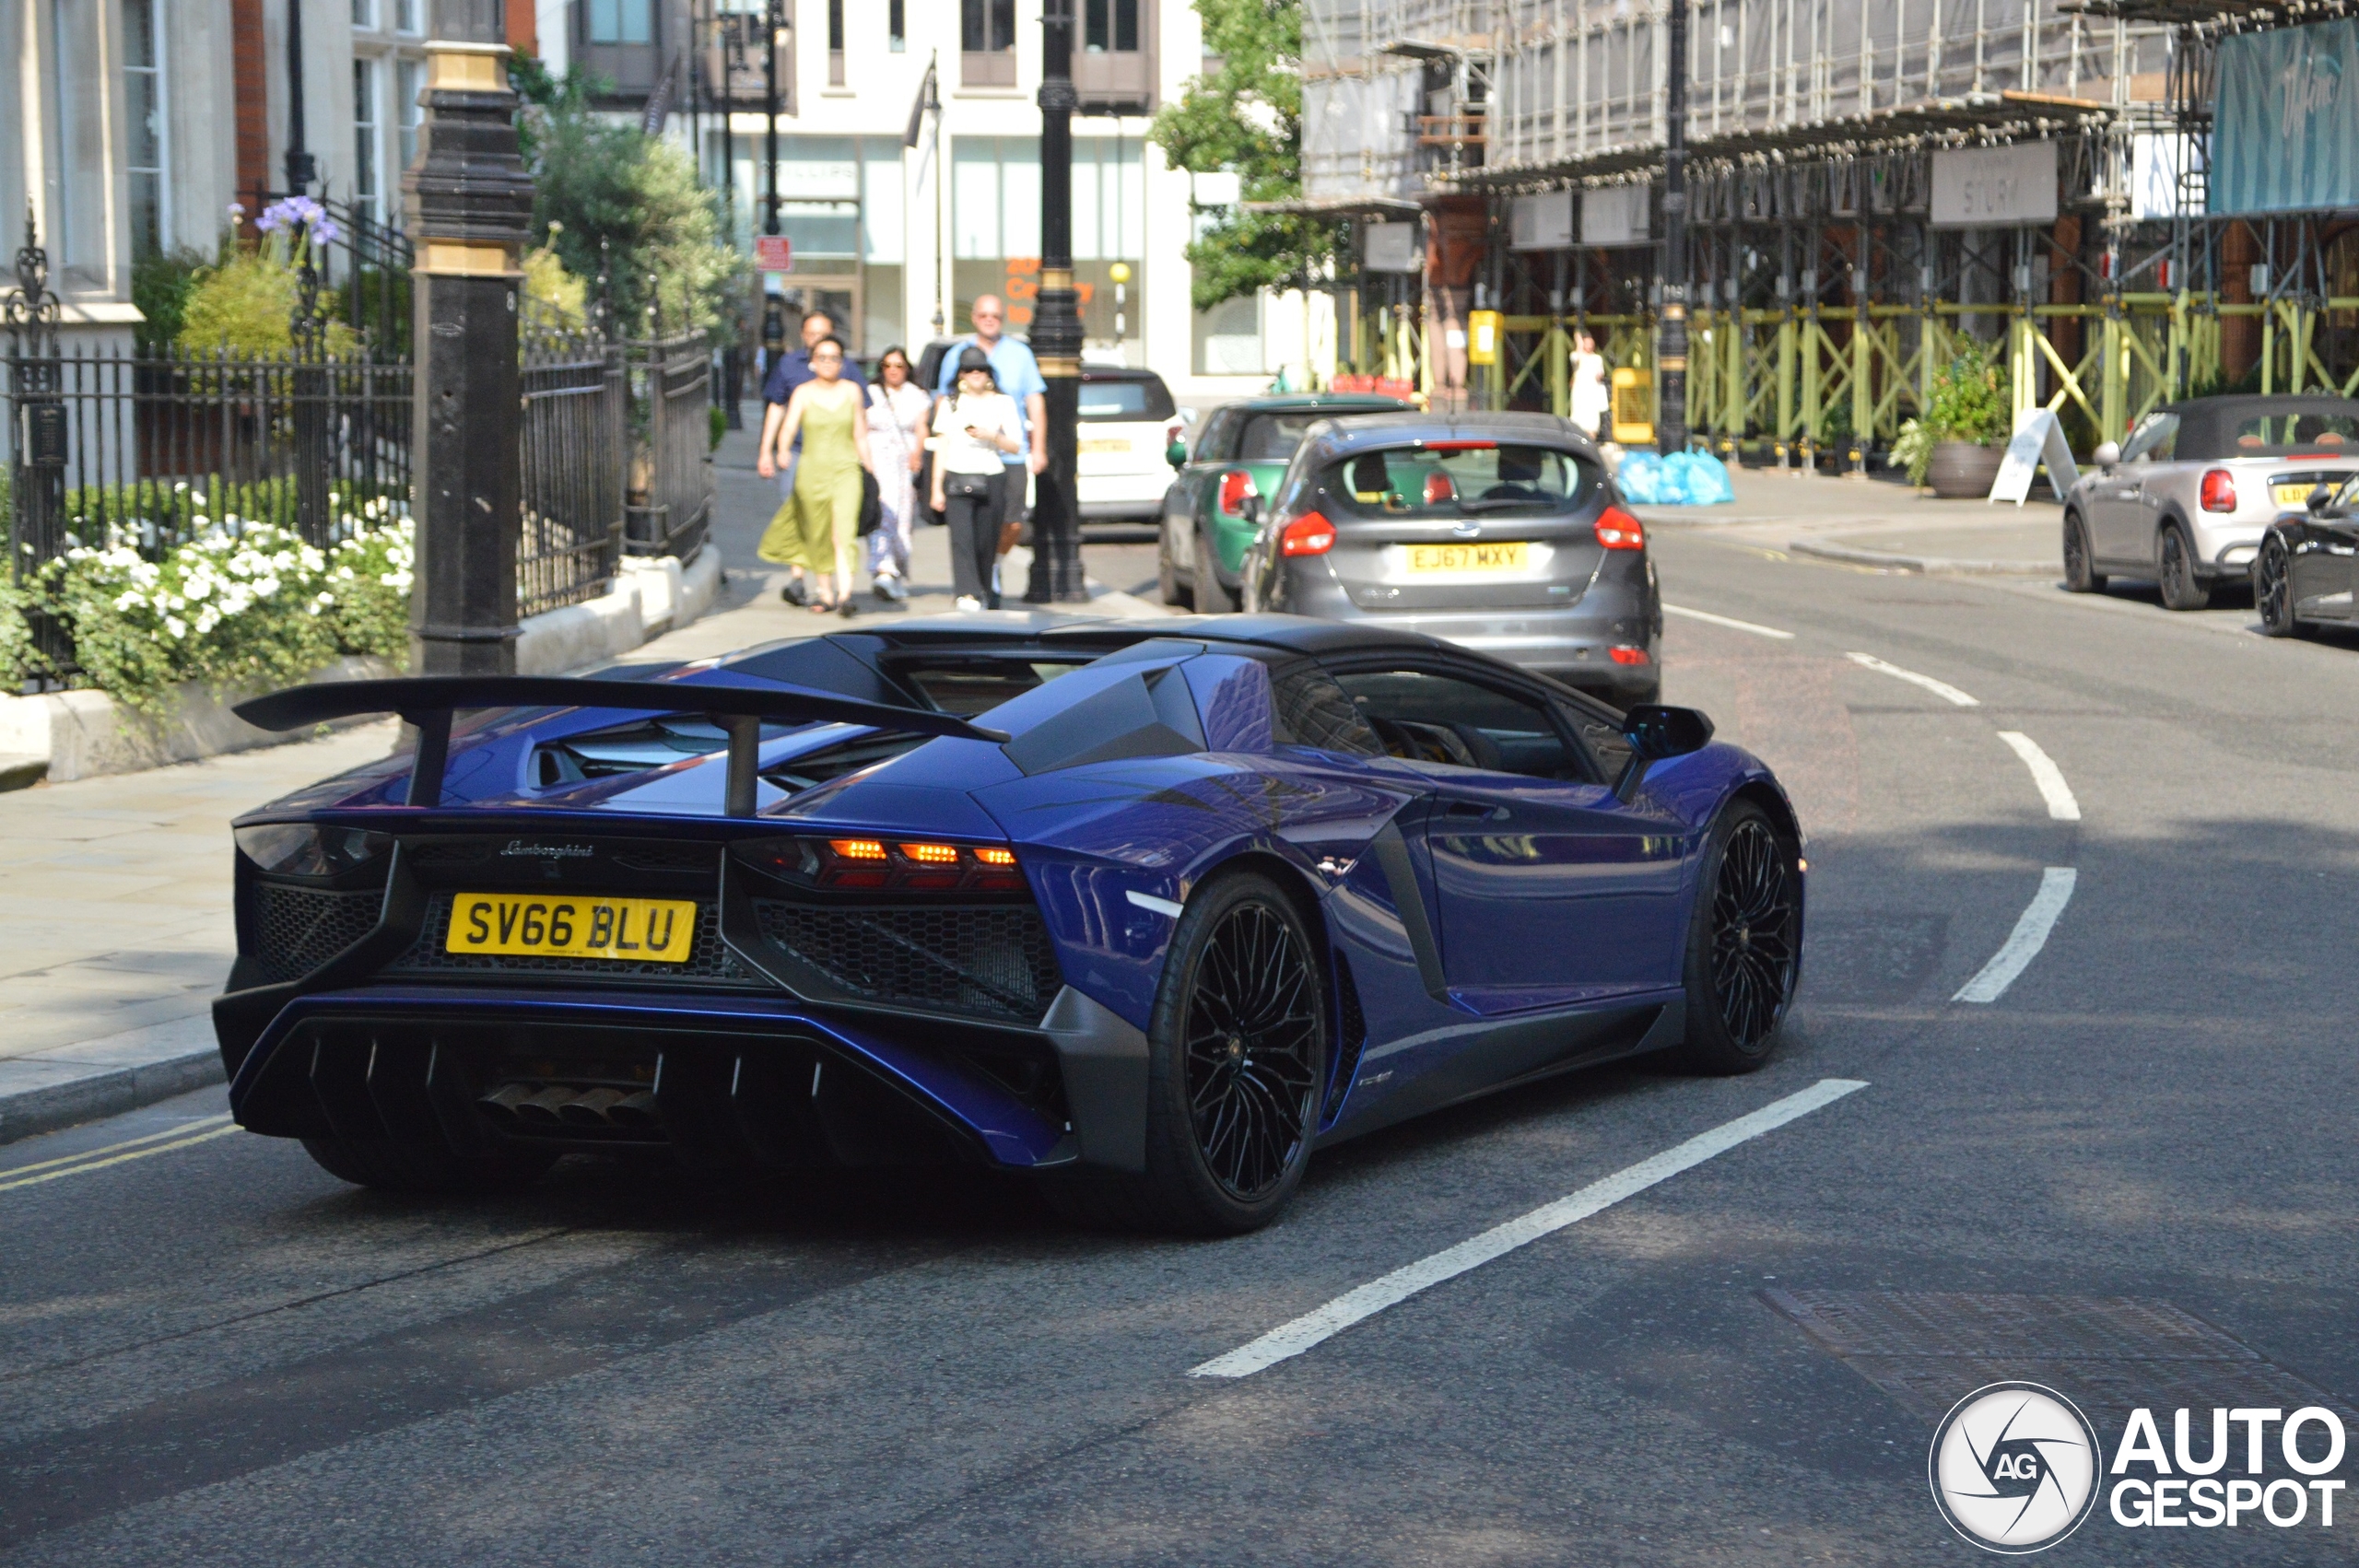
x,y
1245,116
608,197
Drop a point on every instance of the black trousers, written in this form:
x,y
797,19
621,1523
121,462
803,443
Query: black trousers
x,y
974,535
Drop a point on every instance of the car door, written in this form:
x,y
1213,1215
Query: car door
x,y
2126,500
2325,558
1551,891
1207,454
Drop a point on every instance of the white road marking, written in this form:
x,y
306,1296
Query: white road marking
x,y
1317,1327
1938,688
1160,905
6,1185
1728,621
2046,774
2030,935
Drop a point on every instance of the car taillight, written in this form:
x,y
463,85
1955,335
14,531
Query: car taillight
x,y
1310,534
1439,489
1617,530
880,865
1622,654
2219,491
1235,486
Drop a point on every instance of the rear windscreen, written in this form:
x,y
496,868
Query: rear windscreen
x,y
1411,482
968,685
1110,401
2267,433
1272,437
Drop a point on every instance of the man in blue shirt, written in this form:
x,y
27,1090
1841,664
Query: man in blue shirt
x,y
1019,375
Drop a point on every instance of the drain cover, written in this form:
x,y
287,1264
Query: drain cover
x,y
1929,1349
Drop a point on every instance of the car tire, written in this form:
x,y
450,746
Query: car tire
x,y
1237,1054
2080,575
1166,574
422,1169
1743,943
2174,571
2272,590
1210,595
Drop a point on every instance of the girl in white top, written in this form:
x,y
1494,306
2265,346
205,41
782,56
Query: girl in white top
x,y
1592,398
897,421
974,429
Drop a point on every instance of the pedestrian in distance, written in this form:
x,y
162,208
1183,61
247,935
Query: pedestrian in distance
x,y
976,428
790,371
1018,376
898,410
818,532
1592,400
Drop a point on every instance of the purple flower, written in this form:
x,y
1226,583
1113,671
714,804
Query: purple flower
x,y
325,232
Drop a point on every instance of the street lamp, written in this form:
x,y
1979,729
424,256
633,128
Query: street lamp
x,y
773,305
1670,365
1056,326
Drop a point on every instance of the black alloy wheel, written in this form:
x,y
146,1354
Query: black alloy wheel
x,y
2272,589
1744,943
1236,1052
2080,575
2182,590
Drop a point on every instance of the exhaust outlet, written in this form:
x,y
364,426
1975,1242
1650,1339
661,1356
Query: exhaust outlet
x,y
590,1109
503,1102
541,1109
634,1111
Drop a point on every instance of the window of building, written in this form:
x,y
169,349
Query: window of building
x,y
364,13
987,42
409,77
622,21
897,26
367,188
143,92
834,43
410,16
1110,25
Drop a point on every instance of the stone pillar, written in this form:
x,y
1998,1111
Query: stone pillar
x,y
471,202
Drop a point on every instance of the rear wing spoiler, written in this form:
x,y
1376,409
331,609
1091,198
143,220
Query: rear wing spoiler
x,y
428,702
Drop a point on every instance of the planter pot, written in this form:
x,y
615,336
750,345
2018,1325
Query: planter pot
x,y
1962,471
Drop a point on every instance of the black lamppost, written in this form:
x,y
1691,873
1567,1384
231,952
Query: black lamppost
x,y
300,169
1056,326
473,204
1671,367
773,307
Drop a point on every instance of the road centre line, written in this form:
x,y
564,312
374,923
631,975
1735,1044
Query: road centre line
x,y
2029,936
1315,1328
2045,774
68,1169
1938,688
1729,622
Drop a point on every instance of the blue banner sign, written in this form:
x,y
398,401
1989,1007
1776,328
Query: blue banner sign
x,y
2285,128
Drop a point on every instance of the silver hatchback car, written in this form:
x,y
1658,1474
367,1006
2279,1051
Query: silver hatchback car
x,y
2185,500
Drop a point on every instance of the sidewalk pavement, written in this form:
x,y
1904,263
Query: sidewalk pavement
x,y
114,892
1881,525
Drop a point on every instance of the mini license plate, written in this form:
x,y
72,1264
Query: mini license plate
x,y
1425,559
1105,445
660,930
2297,495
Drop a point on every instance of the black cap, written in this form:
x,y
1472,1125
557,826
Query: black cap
x,y
973,359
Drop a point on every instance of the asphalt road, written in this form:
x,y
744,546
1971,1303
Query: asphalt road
x,y
211,1351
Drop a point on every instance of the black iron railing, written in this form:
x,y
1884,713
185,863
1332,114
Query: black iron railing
x,y
670,480
574,430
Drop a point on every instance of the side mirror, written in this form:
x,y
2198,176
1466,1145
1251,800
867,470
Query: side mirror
x,y
1657,733
2107,455
1250,508
1176,454
2321,499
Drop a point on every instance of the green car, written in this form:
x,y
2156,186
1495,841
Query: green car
x,y
1214,503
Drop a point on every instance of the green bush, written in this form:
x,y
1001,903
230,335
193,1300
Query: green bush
x,y
162,281
1970,401
719,426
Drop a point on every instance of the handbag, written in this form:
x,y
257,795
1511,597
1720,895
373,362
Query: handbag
x,y
872,504
974,487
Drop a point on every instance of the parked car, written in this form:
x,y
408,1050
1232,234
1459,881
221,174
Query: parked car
x,y
2186,499
1239,450
1499,531
1147,911
2307,571
1127,421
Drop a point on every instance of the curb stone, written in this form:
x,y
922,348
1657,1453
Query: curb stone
x,y
66,1085
1932,566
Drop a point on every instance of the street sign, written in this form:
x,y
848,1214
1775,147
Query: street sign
x,y
2038,438
773,253
1992,187
1483,338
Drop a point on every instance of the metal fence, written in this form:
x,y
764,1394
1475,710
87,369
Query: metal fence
x,y
573,434
670,480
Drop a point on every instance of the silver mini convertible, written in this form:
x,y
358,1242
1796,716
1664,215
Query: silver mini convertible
x,y
2185,500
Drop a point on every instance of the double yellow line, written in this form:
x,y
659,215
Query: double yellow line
x,y
181,1137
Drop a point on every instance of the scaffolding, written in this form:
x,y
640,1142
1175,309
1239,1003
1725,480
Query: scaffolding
x,y
1827,297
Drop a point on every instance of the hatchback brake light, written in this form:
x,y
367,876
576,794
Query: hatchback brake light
x,y
2219,491
1310,534
1439,489
1235,486
1617,530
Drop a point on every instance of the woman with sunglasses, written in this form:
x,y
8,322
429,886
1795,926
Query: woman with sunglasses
x,y
975,429
818,532
897,411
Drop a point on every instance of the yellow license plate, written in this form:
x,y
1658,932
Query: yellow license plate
x,y
2296,495
1435,558
660,930
1104,445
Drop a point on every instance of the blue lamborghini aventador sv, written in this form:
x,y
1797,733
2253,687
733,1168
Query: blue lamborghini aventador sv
x,y
1148,910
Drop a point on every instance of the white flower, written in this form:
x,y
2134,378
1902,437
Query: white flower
x,y
176,627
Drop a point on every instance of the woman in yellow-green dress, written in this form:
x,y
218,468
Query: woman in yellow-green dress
x,y
817,530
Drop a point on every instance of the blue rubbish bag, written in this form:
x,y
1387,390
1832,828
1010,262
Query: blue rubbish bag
x,y
1701,479
1640,478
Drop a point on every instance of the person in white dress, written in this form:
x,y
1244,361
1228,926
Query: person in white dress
x,y
1592,400
898,407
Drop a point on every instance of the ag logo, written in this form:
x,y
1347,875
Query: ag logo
x,y
2015,1467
